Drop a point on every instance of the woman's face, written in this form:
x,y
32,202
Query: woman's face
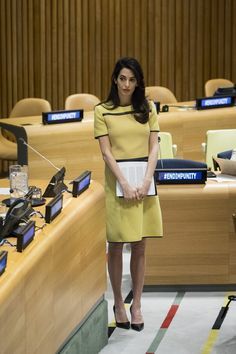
x,y
126,83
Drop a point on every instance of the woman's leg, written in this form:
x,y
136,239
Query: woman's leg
x,y
137,267
115,268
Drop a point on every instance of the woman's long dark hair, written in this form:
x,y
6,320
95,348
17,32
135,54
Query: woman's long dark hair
x,y
138,100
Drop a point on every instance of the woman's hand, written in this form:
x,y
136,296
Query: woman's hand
x,y
144,188
129,192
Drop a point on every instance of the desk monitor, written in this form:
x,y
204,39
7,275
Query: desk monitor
x,y
81,183
214,102
56,185
181,176
53,208
226,91
3,261
57,117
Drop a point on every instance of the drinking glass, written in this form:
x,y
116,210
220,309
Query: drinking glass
x,y
18,181
3,210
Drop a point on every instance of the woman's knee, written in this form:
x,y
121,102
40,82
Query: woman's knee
x,y
138,247
115,247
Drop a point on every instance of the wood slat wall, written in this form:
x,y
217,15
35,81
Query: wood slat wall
x,y
53,48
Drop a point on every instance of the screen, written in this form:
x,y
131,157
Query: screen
x,y
181,177
214,102
56,207
81,183
53,208
3,263
84,183
28,236
62,116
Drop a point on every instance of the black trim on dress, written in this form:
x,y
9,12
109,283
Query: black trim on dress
x,y
118,113
99,136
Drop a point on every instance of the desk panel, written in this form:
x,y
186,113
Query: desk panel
x,y
47,290
199,240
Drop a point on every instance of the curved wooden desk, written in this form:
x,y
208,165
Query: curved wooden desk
x,y
72,144
50,288
188,127
199,243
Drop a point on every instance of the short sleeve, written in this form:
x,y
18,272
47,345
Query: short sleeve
x,y
153,121
100,127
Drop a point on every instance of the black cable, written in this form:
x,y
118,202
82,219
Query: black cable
x,y
4,241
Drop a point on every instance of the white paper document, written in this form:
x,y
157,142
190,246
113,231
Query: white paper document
x,y
134,172
224,178
4,191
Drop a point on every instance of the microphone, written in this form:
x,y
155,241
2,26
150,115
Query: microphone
x,y
56,184
159,145
186,106
38,153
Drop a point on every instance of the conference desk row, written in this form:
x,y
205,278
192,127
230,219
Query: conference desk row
x,y
54,290
59,280
198,249
73,145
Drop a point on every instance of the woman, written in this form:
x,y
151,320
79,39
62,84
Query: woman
x,y
127,129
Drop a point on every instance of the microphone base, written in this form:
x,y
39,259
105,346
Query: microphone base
x,y
54,190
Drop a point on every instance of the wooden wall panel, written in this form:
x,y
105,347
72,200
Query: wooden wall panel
x,y
53,48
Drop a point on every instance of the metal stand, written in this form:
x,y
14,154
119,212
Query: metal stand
x,y
231,298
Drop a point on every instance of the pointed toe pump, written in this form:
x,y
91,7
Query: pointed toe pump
x,y
136,326
124,325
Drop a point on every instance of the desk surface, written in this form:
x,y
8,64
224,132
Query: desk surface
x,y
199,242
47,290
72,144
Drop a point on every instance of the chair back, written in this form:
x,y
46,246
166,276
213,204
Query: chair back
x,y
30,107
166,147
218,141
213,84
85,101
160,94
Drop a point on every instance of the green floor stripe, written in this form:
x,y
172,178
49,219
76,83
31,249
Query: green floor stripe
x,y
157,340
162,331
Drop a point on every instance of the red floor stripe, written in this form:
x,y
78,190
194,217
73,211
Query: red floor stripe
x,y
169,316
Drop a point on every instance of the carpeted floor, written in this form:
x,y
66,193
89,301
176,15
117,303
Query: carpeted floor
x,y
175,323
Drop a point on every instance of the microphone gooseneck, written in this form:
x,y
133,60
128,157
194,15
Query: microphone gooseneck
x,y
38,153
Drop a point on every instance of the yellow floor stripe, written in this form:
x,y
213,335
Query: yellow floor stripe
x,y
207,349
210,341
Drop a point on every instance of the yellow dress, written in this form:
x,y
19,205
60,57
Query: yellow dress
x,y
127,221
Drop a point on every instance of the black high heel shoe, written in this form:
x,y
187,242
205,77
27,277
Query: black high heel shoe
x,y
124,325
136,326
